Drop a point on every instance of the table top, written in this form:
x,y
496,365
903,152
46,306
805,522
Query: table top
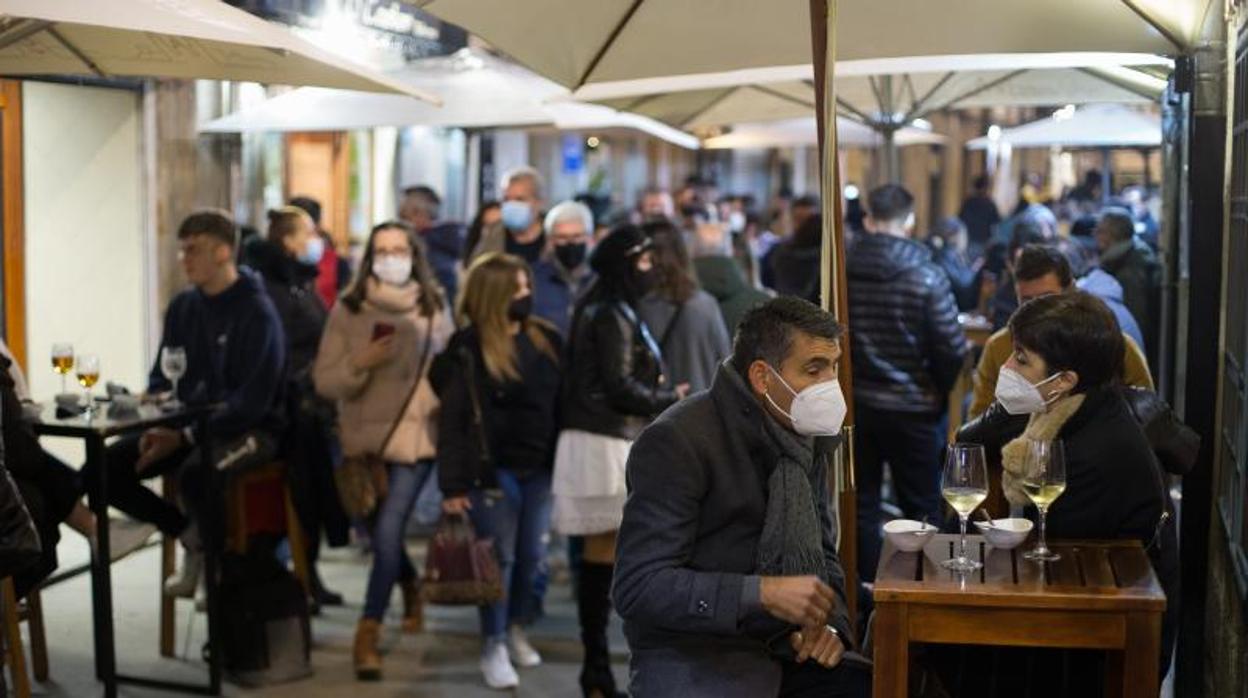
x,y
1091,575
106,422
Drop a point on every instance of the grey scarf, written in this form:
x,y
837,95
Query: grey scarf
x,y
792,539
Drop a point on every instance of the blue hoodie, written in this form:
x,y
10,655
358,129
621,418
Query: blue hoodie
x,y
235,355
1103,285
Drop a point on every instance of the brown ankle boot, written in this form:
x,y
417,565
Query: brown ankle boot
x,y
367,656
413,607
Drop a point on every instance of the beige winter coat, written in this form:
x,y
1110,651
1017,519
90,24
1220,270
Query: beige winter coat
x,y
370,401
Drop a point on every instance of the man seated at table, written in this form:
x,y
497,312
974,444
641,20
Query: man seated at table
x,y
1042,270
727,574
233,340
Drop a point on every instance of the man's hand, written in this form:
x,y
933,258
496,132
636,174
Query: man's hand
x,y
156,445
819,643
804,601
682,391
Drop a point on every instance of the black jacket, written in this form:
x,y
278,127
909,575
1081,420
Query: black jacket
x,y
794,269
291,286
1135,266
235,355
518,418
614,384
1115,486
908,345
20,547
688,545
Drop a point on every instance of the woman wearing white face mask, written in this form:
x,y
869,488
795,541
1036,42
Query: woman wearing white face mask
x,y
1063,375
374,361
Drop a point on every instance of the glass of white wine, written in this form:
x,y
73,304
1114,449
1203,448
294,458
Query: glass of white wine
x,y
173,366
964,485
1044,480
62,361
88,367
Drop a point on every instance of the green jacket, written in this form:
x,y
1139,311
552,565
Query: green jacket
x,y
722,278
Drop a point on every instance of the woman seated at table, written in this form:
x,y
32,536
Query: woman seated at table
x,y
1063,374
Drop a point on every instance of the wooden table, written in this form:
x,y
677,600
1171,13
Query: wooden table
x,y
94,431
1100,595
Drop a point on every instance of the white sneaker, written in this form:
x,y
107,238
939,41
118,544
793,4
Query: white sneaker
x,y
186,579
522,653
496,666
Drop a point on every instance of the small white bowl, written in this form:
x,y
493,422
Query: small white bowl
x,y
1005,534
908,535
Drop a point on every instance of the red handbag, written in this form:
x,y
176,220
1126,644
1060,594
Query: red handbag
x,y
460,569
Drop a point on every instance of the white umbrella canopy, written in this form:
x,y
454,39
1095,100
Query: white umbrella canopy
x,y
191,39
688,101
477,91
574,42
787,133
1102,126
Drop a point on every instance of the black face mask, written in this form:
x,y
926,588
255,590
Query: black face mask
x,y
571,256
645,281
520,309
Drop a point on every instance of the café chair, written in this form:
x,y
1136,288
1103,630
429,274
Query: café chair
x,y
251,507
14,655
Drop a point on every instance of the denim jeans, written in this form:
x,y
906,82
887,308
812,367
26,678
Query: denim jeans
x,y
913,445
390,560
517,517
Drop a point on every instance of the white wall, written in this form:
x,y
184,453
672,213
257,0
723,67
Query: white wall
x,y
85,259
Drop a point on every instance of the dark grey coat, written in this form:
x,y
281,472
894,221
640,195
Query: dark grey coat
x,y
684,579
695,346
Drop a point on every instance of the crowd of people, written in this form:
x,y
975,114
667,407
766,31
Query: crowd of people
x,y
660,390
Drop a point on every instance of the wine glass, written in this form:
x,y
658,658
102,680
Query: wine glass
x,y
1044,480
88,366
173,366
62,361
964,484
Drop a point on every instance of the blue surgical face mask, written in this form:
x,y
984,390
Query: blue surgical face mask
x,y
517,215
313,252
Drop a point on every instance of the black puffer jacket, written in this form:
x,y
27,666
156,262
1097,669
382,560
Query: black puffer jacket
x,y
908,346
614,383
292,288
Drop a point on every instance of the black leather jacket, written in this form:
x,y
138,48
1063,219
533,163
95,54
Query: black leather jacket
x,y
19,540
1175,444
614,383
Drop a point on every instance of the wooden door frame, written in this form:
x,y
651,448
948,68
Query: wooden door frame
x,y
11,179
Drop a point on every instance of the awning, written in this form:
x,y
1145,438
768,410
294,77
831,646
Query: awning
x,y
204,39
1104,126
477,90
575,42
787,133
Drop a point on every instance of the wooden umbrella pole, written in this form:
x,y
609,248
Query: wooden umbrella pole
x,y
833,288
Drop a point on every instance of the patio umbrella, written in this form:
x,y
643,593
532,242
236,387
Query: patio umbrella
x,y
687,103
1102,126
803,131
204,39
478,91
576,43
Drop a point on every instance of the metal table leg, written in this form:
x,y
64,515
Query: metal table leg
x,y
101,572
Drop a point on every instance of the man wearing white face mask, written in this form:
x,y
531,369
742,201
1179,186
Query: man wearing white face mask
x,y
727,574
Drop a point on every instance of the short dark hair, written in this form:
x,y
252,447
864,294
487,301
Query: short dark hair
x,y
1028,231
806,201
766,332
212,222
311,206
890,202
1073,331
1037,261
981,182
1118,223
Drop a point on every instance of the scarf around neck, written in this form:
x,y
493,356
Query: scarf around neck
x,y
1042,426
792,538
394,299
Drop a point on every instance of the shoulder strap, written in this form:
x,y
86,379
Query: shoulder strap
x,y
420,376
470,372
671,326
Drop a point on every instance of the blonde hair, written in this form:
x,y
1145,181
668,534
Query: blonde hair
x,y
487,295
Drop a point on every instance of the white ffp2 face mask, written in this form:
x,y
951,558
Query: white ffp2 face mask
x,y
1017,395
395,270
816,411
